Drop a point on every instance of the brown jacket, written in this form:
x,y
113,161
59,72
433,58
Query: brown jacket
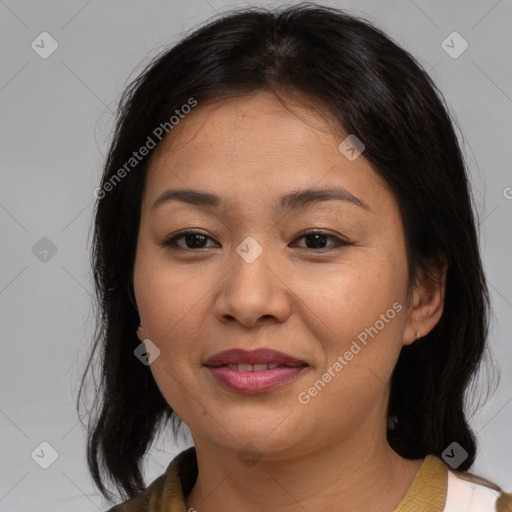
x,y
435,488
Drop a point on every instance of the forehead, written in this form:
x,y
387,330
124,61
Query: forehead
x,y
254,147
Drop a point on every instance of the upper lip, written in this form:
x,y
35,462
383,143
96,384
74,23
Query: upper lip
x,y
258,356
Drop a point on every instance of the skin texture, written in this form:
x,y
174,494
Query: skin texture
x,y
328,454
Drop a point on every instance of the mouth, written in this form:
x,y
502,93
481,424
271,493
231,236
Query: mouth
x,y
254,371
259,367
253,360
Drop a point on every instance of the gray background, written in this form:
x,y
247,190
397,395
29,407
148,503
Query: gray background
x,y
57,114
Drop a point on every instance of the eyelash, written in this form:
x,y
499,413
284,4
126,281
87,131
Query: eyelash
x,y
171,242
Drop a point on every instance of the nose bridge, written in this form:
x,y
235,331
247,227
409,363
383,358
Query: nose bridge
x,y
252,290
250,277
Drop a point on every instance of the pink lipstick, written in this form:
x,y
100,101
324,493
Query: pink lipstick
x,y
255,371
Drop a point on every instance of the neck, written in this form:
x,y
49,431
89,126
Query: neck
x,y
344,476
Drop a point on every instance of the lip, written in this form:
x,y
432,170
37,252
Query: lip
x,y
253,382
258,356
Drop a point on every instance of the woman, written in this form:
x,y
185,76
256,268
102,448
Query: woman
x,y
286,260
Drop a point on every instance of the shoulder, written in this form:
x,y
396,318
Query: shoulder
x,y
169,488
140,502
471,493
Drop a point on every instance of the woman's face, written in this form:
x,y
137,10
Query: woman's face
x,y
255,277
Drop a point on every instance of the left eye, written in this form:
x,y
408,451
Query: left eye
x,y
318,240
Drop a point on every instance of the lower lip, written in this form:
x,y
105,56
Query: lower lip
x,y
254,382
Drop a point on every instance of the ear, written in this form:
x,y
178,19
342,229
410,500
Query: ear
x,y
140,333
427,300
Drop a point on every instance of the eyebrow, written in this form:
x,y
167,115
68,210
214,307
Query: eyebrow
x,y
291,201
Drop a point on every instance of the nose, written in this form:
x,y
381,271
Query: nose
x,y
253,293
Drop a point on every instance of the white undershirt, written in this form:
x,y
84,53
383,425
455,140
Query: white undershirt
x,y
465,496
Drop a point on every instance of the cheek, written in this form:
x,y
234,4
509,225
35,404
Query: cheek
x,y
361,342
172,307
167,295
352,296
358,314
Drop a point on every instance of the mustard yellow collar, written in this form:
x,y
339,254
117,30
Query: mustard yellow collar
x,y
427,491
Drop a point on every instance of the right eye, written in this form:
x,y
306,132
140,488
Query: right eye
x,y
192,240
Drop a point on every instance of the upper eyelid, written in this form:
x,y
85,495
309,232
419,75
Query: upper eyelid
x,y
182,234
